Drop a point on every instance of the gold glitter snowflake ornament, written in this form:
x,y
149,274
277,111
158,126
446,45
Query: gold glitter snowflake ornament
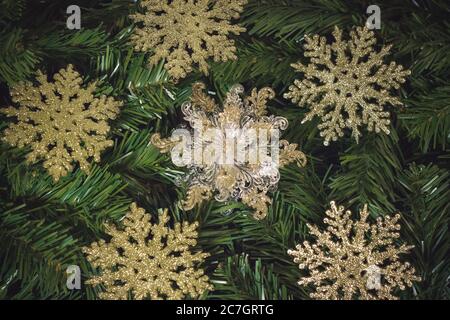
x,y
347,84
187,32
60,121
147,260
354,259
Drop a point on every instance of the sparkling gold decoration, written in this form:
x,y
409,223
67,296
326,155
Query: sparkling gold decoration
x,y
241,179
354,259
289,153
195,195
147,260
187,32
60,121
347,84
164,145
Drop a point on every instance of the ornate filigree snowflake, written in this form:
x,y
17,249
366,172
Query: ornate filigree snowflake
x,y
147,260
240,178
187,32
60,121
347,84
354,259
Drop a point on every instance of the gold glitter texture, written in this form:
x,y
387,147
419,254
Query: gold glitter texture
x,y
60,121
347,84
240,180
187,32
147,260
354,259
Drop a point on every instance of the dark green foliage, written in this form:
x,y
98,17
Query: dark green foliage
x,y
44,225
237,279
426,192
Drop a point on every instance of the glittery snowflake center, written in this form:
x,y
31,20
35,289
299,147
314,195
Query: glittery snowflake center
x,y
347,84
187,32
147,260
60,121
354,259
